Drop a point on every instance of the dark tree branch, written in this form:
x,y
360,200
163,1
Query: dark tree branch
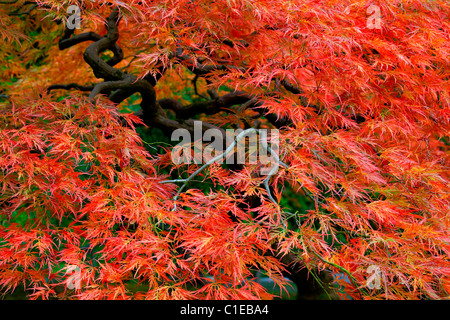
x,y
100,68
194,82
212,106
19,13
67,41
69,87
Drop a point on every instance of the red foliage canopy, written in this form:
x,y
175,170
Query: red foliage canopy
x,y
363,115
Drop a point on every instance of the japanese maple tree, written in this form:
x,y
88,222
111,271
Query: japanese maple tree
x,y
358,91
